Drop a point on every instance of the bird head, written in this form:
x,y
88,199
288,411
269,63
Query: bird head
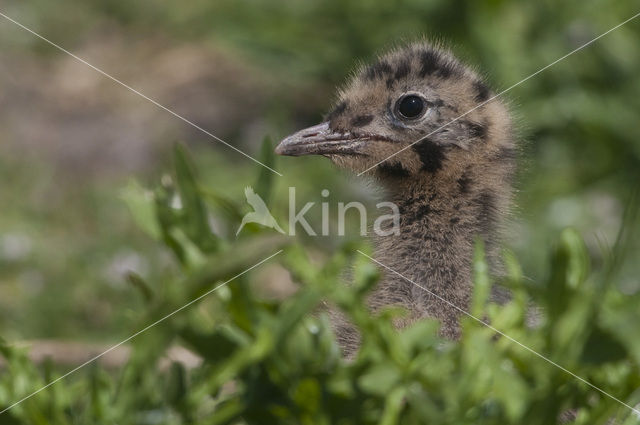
x,y
412,112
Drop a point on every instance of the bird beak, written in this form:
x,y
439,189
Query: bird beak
x,y
321,140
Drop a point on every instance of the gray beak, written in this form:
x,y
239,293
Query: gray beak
x,y
321,140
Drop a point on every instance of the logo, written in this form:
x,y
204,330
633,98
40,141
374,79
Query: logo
x,y
384,225
260,215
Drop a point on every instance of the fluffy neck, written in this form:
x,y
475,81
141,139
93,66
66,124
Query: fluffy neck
x,y
441,217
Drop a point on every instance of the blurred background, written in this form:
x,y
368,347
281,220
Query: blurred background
x,y
71,140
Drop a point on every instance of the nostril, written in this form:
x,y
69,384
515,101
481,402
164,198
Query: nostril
x,y
306,136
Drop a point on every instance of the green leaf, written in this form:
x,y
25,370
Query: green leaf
x,y
264,182
420,336
578,258
176,385
142,206
569,270
307,394
168,219
138,282
602,347
379,379
195,217
235,260
227,206
393,406
213,347
192,256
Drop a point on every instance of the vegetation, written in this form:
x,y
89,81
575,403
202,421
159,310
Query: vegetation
x,y
276,362
97,257
575,121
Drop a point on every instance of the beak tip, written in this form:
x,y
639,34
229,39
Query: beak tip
x,y
281,149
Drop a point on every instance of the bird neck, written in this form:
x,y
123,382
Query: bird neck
x,y
440,218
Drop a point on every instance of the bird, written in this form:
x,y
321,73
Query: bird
x,y
440,144
260,213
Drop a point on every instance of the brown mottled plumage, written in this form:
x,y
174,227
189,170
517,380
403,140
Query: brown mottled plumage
x,y
450,187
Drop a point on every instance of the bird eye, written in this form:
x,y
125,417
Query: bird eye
x,y
410,106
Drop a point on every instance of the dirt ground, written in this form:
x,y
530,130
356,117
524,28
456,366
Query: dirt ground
x,y
62,111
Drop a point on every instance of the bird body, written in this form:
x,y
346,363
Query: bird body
x,y
428,130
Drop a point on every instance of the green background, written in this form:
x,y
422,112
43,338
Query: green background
x,y
271,67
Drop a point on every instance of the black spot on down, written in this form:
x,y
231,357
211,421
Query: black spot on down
x,y
431,155
434,63
337,111
361,120
482,91
404,67
392,170
487,212
477,130
378,70
464,182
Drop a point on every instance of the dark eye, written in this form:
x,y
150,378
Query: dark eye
x,y
410,106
